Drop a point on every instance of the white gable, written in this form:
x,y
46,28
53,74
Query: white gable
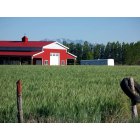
x,y
55,45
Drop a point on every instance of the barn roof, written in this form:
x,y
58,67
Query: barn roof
x,y
70,56
24,44
27,48
22,48
17,53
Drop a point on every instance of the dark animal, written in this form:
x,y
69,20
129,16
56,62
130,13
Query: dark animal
x,y
125,85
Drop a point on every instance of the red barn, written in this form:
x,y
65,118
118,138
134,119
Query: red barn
x,y
34,52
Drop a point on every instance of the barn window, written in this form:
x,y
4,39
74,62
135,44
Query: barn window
x,y
46,62
50,54
62,62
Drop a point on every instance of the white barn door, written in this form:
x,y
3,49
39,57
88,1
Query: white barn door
x,y
54,59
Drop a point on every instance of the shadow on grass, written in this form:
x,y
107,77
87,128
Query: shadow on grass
x,y
8,115
39,115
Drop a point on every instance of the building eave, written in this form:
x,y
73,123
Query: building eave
x,y
61,45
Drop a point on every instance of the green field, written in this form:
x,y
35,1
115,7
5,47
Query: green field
x,y
66,93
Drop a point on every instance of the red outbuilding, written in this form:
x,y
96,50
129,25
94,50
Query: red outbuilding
x,y
34,52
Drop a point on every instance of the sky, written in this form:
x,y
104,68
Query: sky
x,y
91,29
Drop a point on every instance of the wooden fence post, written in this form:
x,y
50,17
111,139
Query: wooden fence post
x,y
133,103
19,101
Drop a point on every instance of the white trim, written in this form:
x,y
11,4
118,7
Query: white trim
x,y
55,45
38,53
61,45
72,54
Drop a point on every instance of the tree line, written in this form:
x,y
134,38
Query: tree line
x,y
122,53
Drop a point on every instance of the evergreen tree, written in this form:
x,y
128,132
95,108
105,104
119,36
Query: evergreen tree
x,y
124,53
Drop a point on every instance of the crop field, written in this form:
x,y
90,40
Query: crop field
x,y
66,94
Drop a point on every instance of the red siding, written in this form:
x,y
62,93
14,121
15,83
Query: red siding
x,y
46,55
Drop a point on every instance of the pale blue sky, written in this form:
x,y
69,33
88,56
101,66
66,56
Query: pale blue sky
x,y
94,30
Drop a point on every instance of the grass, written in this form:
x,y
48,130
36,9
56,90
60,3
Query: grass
x,y
67,93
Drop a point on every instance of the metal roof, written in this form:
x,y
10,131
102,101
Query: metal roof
x,y
24,44
17,53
